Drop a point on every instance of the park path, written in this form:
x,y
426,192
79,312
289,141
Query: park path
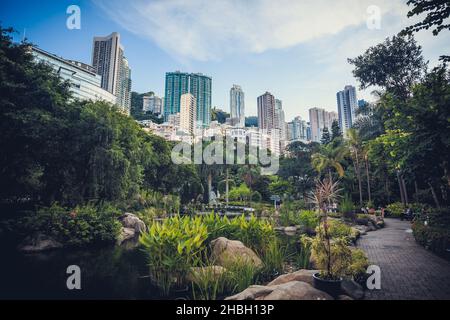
x,y
408,271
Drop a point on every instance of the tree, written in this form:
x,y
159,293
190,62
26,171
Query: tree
x,y
296,166
241,193
395,65
328,157
437,12
326,138
335,130
355,148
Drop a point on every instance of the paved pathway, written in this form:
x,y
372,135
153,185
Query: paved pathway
x,y
408,271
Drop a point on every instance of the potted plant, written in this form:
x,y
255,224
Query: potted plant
x,y
331,256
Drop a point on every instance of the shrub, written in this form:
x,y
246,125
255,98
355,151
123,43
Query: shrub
x,y
306,218
359,265
433,231
395,209
347,208
338,229
80,226
363,219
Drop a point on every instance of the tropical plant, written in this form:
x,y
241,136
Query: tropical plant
x,y
328,157
172,248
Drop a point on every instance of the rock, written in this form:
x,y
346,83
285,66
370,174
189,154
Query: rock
x,y
301,275
198,273
294,290
362,229
352,289
38,243
131,221
125,235
290,230
226,252
344,297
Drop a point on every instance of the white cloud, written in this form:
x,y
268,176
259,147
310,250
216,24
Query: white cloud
x,y
212,29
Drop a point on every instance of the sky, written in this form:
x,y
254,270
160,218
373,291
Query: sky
x,y
295,49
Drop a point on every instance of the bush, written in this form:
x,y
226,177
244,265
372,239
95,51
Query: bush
x,y
338,229
80,226
306,218
395,209
347,208
363,219
433,231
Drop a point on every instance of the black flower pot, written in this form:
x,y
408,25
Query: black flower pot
x,y
332,287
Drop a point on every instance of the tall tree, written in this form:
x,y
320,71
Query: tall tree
x,y
395,65
326,137
355,147
335,130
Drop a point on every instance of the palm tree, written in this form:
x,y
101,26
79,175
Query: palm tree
x,y
329,157
365,151
355,147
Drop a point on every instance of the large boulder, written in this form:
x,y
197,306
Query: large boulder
x,y
226,252
294,290
38,243
131,221
301,275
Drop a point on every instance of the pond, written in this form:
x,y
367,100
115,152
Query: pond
x,y
106,273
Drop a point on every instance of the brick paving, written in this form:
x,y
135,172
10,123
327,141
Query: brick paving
x,y
408,271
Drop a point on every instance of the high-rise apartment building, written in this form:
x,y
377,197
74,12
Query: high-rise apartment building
x,y
237,106
320,119
279,120
266,111
188,113
152,103
109,61
197,84
298,130
347,104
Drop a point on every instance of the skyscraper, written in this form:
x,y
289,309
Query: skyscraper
x,y
320,119
188,112
152,103
279,120
298,130
237,105
266,111
347,104
109,61
199,85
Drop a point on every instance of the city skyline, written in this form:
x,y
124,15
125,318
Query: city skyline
x,y
305,71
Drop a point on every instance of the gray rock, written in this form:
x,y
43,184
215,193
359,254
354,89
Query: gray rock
x,y
226,252
131,221
344,297
294,290
126,234
352,289
38,243
301,275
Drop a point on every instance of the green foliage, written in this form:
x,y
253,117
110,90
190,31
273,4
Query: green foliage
x,y
395,209
359,264
172,247
243,275
347,208
79,226
273,257
242,193
326,137
433,231
338,229
306,218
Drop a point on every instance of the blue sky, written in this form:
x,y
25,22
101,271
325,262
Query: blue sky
x,y
295,49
